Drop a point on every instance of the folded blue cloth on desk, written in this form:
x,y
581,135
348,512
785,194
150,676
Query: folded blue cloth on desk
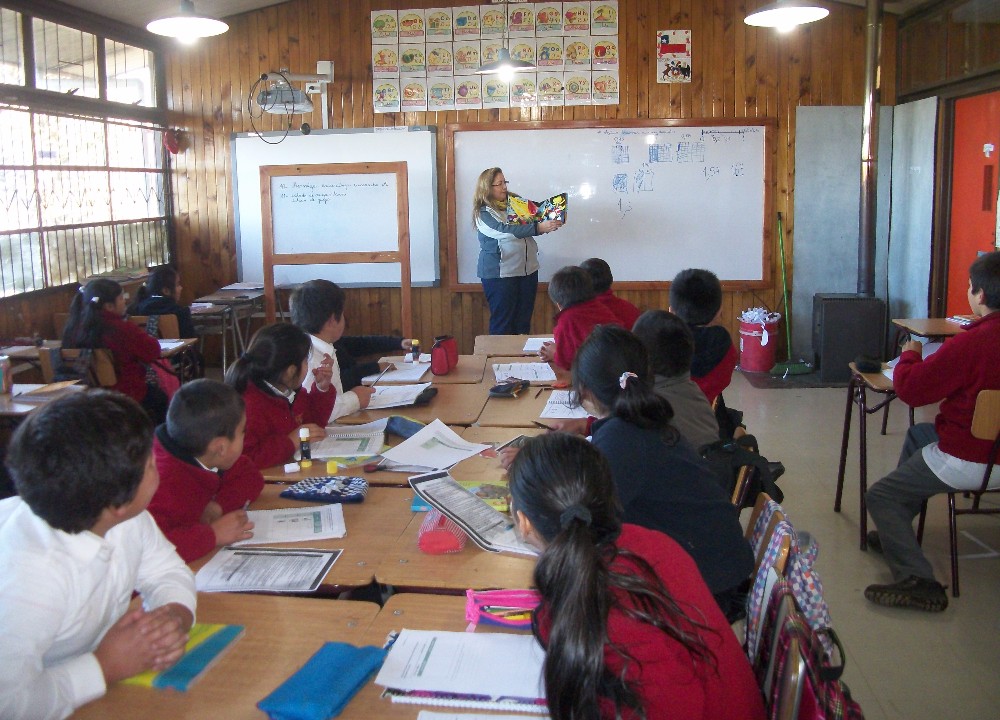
x,y
325,684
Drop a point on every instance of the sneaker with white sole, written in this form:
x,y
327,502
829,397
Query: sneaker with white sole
x,y
913,592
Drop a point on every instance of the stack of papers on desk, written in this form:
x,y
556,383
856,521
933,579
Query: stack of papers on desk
x,y
390,396
563,404
433,447
351,441
265,569
489,528
488,671
533,345
398,373
536,372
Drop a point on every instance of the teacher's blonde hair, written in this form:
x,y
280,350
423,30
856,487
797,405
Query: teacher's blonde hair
x,y
482,195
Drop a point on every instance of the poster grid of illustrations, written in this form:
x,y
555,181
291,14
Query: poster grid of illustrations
x,y
426,60
673,56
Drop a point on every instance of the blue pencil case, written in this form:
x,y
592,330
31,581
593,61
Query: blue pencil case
x,y
330,489
325,684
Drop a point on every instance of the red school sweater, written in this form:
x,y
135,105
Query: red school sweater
x,y
574,324
626,312
270,418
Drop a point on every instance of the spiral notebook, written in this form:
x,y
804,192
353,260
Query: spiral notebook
x,y
485,671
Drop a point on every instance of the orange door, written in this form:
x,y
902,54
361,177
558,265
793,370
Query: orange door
x,y
974,185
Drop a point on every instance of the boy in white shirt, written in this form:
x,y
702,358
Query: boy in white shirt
x,y
318,308
76,543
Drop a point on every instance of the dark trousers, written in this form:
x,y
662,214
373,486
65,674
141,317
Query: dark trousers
x,y
511,301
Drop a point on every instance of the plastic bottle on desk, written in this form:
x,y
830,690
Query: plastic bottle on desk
x,y
305,450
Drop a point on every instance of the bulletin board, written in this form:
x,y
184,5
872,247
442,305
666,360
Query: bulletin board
x,y
650,197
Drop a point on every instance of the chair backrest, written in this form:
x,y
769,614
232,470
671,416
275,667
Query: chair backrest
x,y
743,480
169,328
102,367
986,418
758,507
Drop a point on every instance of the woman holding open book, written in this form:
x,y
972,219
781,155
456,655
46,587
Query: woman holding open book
x,y
508,256
629,626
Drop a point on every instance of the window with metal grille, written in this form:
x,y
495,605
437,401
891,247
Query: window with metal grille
x,y
78,196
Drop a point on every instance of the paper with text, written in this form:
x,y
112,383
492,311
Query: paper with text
x,y
534,344
533,371
400,373
259,569
562,404
390,396
433,446
296,524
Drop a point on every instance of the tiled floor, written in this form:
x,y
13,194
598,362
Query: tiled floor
x,y
901,665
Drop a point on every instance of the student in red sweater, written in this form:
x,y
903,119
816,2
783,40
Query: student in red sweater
x,y
600,274
572,291
205,479
939,458
696,298
629,626
96,320
269,375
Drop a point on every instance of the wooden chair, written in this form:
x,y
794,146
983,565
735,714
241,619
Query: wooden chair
x,y
743,480
776,515
102,369
169,329
985,426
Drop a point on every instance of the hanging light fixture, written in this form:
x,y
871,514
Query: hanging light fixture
x,y
505,66
187,25
784,15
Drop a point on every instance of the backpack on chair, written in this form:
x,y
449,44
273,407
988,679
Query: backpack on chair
x,y
727,457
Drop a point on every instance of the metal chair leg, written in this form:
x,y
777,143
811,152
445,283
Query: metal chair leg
x,y
953,540
844,443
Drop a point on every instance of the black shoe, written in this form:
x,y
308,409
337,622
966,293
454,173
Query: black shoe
x,y
874,541
914,592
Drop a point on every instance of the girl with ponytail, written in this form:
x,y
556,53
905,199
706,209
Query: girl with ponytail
x,y
96,320
629,626
269,376
663,484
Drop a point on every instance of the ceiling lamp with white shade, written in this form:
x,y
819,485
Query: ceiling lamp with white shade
x,y
784,15
187,25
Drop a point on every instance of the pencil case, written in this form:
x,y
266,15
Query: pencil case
x,y
331,489
506,608
509,388
403,426
438,535
322,687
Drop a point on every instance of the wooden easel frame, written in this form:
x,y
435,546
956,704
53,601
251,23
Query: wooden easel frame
x,y
401,255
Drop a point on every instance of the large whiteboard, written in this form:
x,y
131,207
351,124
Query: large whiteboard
x,y
651,198
355,215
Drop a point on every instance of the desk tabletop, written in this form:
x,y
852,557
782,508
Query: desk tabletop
x,y
928,327
455,404
281,634
876,381
512,345
13,405
415,612
518,412
232,297
176,349
379,478
372,528
406,567
470,369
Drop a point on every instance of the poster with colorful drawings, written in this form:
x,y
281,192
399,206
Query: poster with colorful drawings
x,y
673,56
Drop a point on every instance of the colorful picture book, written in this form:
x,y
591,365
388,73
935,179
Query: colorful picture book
x,y
492,492
206,644
521,211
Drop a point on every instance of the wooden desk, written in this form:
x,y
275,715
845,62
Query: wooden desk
x,y
470,369
455,404
12,407
379,478
242,305
516,412
492,434
512,345
185,345
416,612
282,633
858,388
928,327
408,569
561,375
372,528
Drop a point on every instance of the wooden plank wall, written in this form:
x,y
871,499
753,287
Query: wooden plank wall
x,y
738,72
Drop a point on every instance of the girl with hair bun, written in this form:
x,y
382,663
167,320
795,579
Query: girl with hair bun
x,y
96,320
629,626
160,295
269,376
661,481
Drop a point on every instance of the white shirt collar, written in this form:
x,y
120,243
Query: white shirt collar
x,y
289,395
206,467
322,346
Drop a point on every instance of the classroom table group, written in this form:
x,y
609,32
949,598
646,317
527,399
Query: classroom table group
x,y
379,551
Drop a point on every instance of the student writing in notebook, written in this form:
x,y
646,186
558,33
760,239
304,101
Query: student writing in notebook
x,y
205,480
269,376
629,626
76,543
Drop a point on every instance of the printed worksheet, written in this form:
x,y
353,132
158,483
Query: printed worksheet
x,y
534,344
296,524
260,569
390,396
537,372
563,404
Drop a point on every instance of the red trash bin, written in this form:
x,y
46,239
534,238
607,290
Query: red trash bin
x,y
758,346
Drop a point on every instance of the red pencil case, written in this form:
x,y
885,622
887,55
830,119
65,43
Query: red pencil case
x,y
506,608
439,535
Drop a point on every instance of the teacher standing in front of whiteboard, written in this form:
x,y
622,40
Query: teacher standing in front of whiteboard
x,y
508,256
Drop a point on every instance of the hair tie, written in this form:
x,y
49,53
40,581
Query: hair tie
x,y
81,289
623,380
96,300
575,512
